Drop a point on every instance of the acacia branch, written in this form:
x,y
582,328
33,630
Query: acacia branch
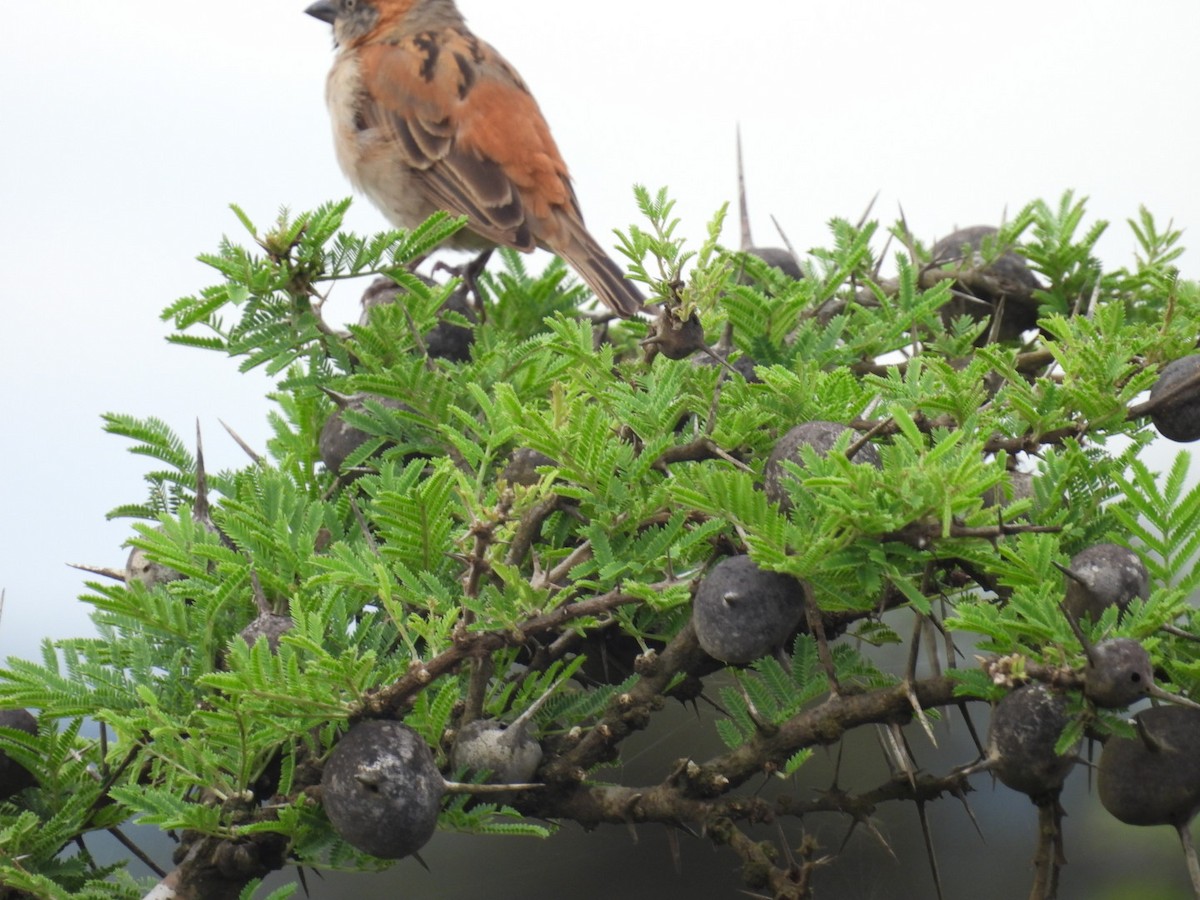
x,y
630,711
821,725
673,803
393,700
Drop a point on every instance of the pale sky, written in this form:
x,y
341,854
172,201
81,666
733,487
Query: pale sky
x,y
129,126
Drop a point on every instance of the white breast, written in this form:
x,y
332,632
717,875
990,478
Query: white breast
x,y
368,155
342,91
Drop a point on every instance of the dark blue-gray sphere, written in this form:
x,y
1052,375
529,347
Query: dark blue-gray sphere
x,y
1104,575
1153,778
14,777
382,790
1179,419
821,436
742,612
1024,730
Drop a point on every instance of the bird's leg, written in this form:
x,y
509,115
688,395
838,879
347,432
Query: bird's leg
x,y
469,273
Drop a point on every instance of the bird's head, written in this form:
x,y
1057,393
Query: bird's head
x,y
356,20
352,20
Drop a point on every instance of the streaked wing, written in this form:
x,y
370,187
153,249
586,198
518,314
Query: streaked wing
x,y
464,120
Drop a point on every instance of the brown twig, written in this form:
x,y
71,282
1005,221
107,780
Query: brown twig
x,y
389,701
1181,391
1048,858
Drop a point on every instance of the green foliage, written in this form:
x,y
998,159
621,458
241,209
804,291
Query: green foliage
x,y
771,691
278,894
489,819
168,487
425,576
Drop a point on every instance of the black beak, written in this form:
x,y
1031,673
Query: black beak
x,y
325,10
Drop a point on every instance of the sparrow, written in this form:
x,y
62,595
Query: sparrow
x,y
428,117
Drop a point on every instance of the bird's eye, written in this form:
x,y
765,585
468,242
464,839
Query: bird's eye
x,y
348,5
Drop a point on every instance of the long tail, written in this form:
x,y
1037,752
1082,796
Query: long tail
x,y
601,274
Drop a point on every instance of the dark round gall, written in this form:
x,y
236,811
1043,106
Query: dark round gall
x,y
339,439
1011,279
675,339
141,568
1024,729
1153,778
523,465
510,753
382,291
821,436
1018,487
1118,673
449,340
742,612
1179,418
446,340
270,626
382,790
14,777
962,248
241,860
778,258
1104,575
743,365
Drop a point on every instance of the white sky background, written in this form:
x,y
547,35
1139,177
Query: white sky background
x,y
129,126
